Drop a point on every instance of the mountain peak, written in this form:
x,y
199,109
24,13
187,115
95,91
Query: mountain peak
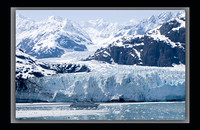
x,y
152,19
56,18
97,22
133,21
101,20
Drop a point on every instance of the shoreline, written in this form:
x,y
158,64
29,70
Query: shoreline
x,y
103,103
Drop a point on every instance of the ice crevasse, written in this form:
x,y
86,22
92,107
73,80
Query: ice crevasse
x,y
136,83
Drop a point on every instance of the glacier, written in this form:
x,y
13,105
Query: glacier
x,y
107,83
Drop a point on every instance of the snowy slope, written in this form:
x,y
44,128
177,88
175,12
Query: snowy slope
x,y
28,67
24,24
154,21
172,32
162,46
51,37
102,32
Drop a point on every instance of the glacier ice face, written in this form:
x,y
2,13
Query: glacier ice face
x,y
109,83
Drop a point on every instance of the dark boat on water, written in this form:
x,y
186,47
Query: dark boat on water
x,y
84,105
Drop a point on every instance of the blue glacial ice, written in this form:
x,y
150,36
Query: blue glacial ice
x,y
109,83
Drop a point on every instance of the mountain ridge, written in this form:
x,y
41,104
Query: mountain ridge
x,y
162,46
62,35
51,37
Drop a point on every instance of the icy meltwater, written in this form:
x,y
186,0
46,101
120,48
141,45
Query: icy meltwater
x,y
105,111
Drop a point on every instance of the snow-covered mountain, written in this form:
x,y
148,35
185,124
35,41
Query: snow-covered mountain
x,y
162,46
100,31
51,37
55,35
152,22
103,32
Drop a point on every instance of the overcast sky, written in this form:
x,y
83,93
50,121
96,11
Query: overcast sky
x,y
119,16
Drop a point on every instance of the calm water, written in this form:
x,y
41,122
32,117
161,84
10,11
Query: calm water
x,y
105,111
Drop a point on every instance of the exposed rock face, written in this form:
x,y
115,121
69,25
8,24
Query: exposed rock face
x,y
163,46
158,53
